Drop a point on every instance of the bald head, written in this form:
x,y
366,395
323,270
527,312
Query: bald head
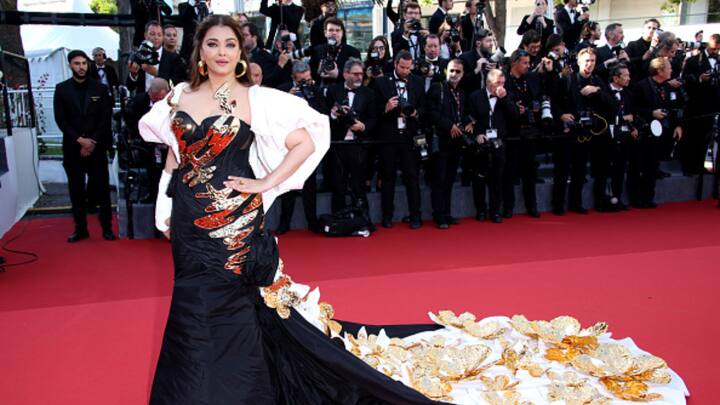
x,y
159,88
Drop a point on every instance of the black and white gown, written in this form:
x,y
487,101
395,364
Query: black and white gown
x,y
241,331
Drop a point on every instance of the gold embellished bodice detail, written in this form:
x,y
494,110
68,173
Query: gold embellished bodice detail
x,y
228,215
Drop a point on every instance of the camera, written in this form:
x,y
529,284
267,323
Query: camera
x,y
146,54
424,68
375,64
714,76
499,56
421,143
467,138
691,46
454,35
618,48
406,108
546,108
585,5
345,113
307,89
286,39
327,65
414,25
585,120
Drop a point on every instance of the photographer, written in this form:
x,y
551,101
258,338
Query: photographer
x,y
530,43
570,23
493,112
284,53
102,72
431,67
411,35
401,98
702,77
450,38
447,115
145,11
653,101
624,134
191,13
170,38
353,114
582,103
282,13
642,49
471,22
588,36
538,22
150,61
256,53
526,89
317,25
479,61
326,59
302,85
438,18
378,61
613,52
562,65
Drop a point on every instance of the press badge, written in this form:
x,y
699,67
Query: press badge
x,y
401,123
491,133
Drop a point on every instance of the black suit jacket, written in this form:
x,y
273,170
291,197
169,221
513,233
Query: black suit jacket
x,y
436,21
399,43
635,50
570,31
442,111
544,32
647,97
363,104
143,11
703,98
318,53
138,106
189,22
385,88
110,73
88,120
622,106
291,17
502,118
571,101
603,54
171,68
470,80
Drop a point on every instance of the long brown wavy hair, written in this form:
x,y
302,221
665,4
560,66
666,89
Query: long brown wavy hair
x,y
216,20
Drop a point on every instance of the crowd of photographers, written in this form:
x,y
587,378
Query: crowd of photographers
x,y
438,100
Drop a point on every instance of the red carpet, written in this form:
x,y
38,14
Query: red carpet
x,y
83,324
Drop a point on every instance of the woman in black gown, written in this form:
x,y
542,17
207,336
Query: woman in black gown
x,y
222,343
239,330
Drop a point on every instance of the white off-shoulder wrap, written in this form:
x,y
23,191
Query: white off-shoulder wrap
x,y
274,115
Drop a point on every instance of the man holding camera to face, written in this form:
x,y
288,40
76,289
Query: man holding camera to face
x,y
191,13
613,52
401,98
492,111
327,60
303,86
582,104
643,49
150,61
570,22
702,75
353,114
654,101
479,61
447,115
436,20
431,67
410,36
317,25
283,15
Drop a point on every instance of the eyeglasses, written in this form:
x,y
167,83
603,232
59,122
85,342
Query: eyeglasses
x,y
455,70
378,48
356,73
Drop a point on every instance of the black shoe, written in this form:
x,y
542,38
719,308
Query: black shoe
x,y
387,223
621,206
282,230
415,223
651,205
452,220
558,211
406,219
109,235
78,235
539,180
481,216
661,174
533,213
442,225
507,214
314,227
579,210
496,218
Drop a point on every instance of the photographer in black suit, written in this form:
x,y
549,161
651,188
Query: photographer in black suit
x,y
191,13
353,114
447,115
526,88
438,17
623,131
410,36
327,59
170,65
303,86
570,23
702,77
653,101
401,98
82,112
477,62
317,25
283,12
642,49
493,111
613,52
538,22
102,72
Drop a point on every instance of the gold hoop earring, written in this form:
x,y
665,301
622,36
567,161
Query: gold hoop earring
x,y
201,69
244,69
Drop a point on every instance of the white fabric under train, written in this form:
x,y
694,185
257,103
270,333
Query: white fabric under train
x,y
532,389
